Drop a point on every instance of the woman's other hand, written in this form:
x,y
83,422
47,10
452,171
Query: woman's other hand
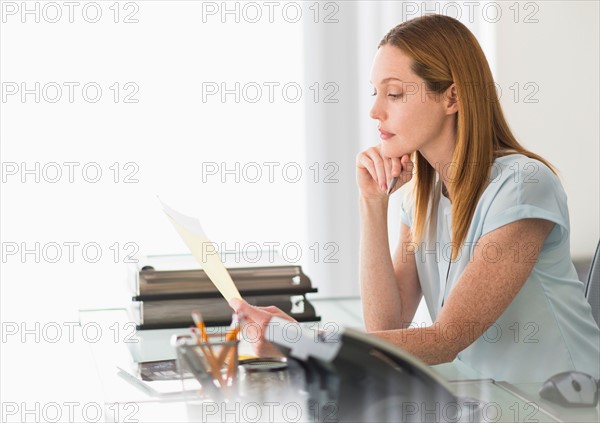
x,y
256,320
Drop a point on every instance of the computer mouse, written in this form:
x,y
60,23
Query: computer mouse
x,y
571,389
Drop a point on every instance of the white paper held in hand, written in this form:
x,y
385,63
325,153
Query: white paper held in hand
x,y
203,250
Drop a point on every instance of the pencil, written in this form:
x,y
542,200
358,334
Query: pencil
x,y
392,185
231,335
213,363
197,317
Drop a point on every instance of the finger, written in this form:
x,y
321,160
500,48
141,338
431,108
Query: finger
x,y
250,312
272,310
236,304
241,306
379,168
276,311
367,163
396,166
387,165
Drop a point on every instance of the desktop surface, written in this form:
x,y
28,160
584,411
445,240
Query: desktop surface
x,y
500,400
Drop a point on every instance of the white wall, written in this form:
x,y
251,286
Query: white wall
x,y
518,49
169,133
560,55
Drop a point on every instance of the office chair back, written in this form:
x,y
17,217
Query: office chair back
x,y
592,291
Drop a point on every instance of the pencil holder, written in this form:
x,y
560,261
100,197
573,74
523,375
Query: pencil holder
x,y
214,363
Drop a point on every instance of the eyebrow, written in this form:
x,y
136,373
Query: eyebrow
x,y
388,80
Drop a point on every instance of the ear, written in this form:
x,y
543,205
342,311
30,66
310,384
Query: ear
x,y
451,100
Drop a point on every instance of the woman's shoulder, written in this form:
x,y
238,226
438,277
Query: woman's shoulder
x,y
523,187
523,171
519,161
517,179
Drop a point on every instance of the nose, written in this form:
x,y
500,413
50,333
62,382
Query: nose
x,y
377,112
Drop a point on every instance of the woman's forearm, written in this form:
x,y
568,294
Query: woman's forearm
x,y
430,344
379,288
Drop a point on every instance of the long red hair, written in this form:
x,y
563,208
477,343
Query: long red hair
x,y
445,52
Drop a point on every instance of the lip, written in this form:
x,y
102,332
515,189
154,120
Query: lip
x,y
384,135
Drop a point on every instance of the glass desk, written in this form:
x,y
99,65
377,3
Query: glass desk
x,y
126,399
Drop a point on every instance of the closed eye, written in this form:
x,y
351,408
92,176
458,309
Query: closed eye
x,y
395,96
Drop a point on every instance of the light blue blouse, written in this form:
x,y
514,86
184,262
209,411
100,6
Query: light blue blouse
x,y
548,328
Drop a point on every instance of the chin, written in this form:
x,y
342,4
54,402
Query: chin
x,y
392,149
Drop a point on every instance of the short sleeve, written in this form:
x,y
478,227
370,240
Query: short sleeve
x,y
525,188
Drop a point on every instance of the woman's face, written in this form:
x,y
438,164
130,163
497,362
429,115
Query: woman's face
x,y
409,117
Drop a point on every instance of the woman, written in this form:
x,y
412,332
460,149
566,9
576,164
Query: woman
x,y
485,226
